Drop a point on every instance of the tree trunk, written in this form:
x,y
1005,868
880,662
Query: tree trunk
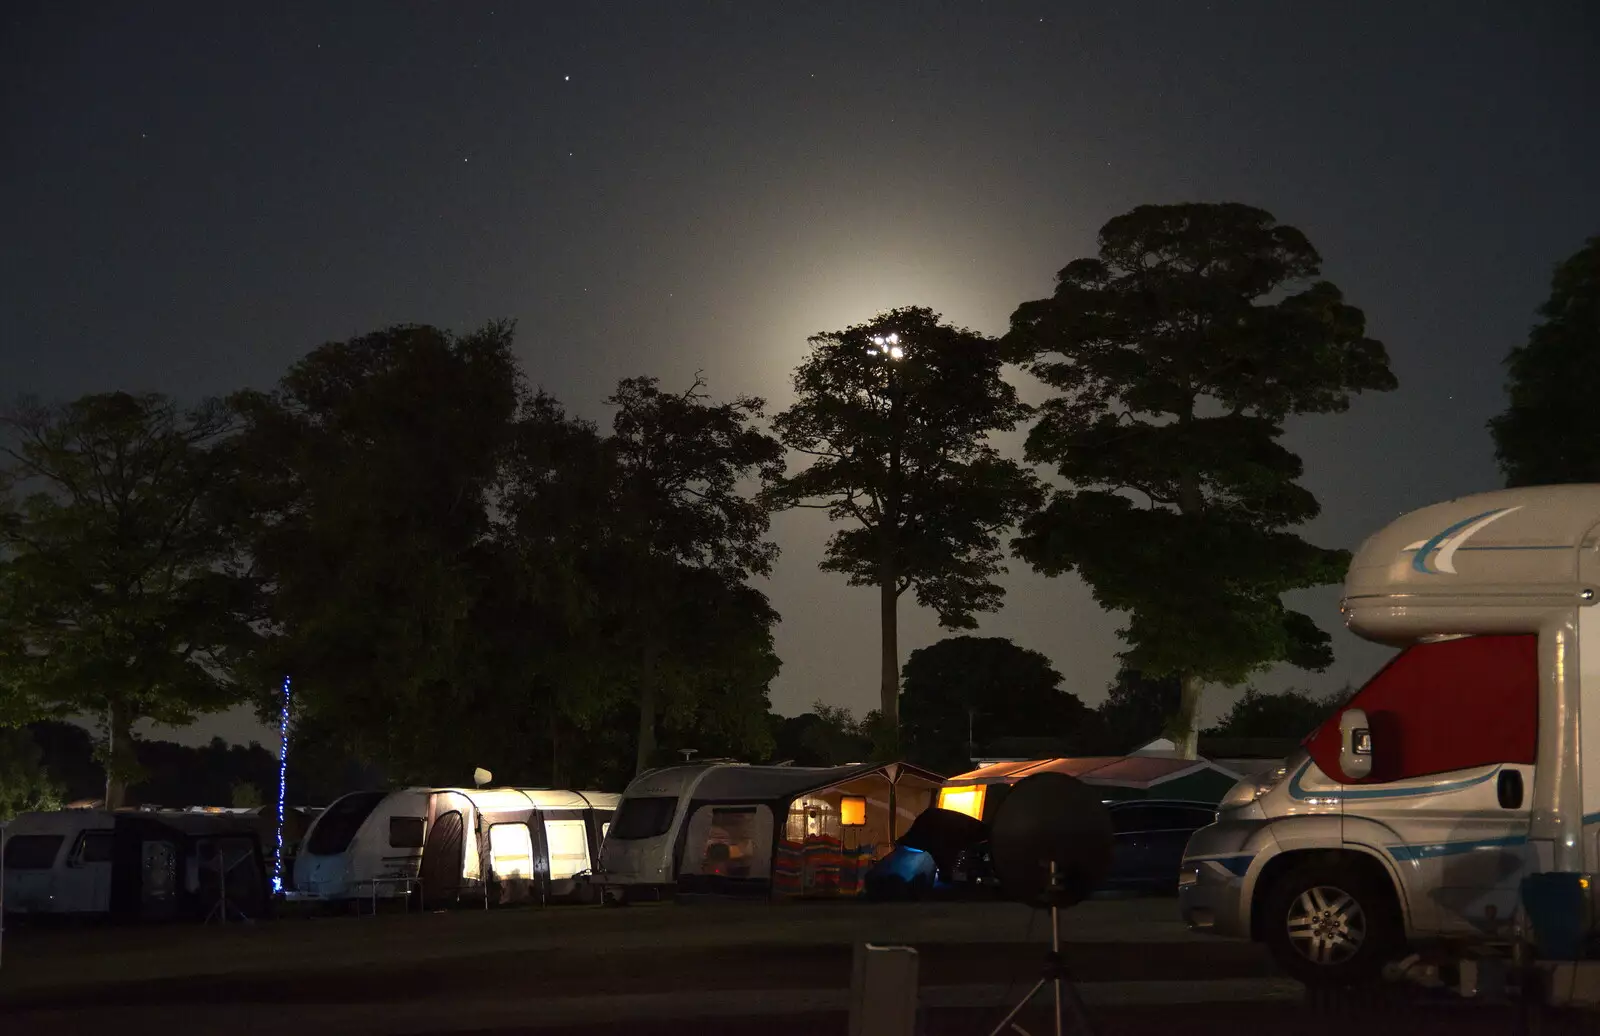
x,y
1188,726
555,749
889,691
119,755
647,711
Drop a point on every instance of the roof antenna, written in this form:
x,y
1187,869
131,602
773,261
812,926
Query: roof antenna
x,y
480,777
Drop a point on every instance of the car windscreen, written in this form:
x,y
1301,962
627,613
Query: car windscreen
x,y
340,822
643,817
32,852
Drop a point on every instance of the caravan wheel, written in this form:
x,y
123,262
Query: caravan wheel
x,y
1329,924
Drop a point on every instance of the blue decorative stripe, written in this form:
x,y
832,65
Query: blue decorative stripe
x,y
1413,853
1540,546
1420,562
1235,863
1298,790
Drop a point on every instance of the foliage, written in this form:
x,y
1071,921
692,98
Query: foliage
x,y
1281,714
373,462
828,735
899,448
1177,354
25,785
121,593
678,540
1544,436
1137,710
967,691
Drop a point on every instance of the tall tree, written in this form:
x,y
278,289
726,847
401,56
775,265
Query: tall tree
x,y
681,537
121,591
373,462
963,692
1178,352
1544,436
895,415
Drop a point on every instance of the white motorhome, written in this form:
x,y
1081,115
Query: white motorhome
x,y
733,829
1413,813
503,844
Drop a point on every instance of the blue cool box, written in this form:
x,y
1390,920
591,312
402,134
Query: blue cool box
x,y
1558,906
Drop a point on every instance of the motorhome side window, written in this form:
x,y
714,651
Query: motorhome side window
x,y
340,822
643,817
32,852
407,832
1446,706
95,847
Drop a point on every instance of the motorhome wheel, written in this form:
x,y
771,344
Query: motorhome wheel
x,y
1329,924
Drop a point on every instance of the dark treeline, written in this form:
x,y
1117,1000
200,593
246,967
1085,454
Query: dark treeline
x,y
456,571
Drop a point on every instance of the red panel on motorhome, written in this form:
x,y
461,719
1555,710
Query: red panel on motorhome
x,y
1445,706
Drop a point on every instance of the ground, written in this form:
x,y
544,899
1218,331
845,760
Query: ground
x,y
736,968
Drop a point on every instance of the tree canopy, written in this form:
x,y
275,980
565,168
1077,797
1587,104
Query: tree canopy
x,y
1544,436
1177,353
1281,714
122,591
372,464
681,537
895,417
963,692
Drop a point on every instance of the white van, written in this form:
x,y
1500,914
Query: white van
x,y
58,863
446,843
1413,813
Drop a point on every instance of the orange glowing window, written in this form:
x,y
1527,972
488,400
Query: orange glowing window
x,y
852,811
968,800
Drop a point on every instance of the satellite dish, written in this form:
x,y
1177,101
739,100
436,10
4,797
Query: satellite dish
x,y
480,777
1051,818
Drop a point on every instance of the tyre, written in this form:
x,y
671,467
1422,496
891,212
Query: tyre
x,y
1329,924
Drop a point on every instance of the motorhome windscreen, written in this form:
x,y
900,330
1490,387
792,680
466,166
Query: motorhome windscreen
x,y
32,852
340,822
643,817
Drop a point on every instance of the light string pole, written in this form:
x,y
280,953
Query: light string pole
x,y
283,774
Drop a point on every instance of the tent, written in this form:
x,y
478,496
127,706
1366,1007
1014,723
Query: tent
x,y
791,831
979,792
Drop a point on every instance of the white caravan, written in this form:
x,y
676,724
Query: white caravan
x,y
735,829
503,844
1413,813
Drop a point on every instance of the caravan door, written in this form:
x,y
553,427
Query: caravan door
x,y
444,858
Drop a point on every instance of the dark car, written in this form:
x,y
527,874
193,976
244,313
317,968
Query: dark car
x,y
1150,836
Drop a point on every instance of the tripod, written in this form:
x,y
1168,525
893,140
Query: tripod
x,y
219,911
1055,972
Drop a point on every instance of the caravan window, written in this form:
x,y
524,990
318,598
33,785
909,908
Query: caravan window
x,y
407,832
643,818
340,822
511,850
568,842
32,852
95,847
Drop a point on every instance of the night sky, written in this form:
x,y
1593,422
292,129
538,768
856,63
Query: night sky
x,y
196,194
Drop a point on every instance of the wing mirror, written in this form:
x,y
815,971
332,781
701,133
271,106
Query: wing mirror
x,y
1355,744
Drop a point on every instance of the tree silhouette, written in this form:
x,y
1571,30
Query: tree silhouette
x,y
1544,437
121,590
895,416
1177,353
